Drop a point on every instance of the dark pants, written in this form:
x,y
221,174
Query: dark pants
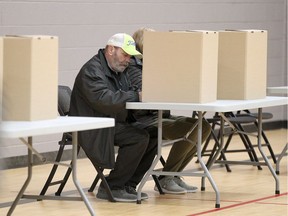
x,y
137,149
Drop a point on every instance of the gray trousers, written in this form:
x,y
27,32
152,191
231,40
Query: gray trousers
x,y
182,152
175,127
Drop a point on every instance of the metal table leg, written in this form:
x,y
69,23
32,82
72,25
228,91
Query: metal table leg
x,y
26,183
221,144
277,191
206,171
280,158
156,160
74,171
29,176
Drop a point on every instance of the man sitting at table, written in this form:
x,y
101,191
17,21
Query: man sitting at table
x,y
101,89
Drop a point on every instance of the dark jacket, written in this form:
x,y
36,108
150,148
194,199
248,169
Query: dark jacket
x,y
100,92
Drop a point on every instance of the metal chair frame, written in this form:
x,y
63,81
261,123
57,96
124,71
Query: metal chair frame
x,y
64,94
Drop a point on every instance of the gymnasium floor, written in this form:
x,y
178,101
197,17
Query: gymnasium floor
x,y
244,191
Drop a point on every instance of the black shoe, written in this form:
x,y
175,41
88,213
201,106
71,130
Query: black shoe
x,y
132,190
120,195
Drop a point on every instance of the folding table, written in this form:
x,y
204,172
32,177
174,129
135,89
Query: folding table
x,y
220,106
22,129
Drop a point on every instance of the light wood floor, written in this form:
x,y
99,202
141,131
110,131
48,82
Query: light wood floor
x,y
244,191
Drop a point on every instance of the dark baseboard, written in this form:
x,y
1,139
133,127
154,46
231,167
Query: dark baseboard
x,y
267,126
275,125
21,161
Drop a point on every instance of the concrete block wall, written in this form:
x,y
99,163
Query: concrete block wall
x,y
84,26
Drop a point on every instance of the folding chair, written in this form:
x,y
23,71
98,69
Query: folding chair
x,y
266,116
216,137
64,95
238,120
210,153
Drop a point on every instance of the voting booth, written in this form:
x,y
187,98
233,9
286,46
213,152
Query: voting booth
x,y
1,75
30,78
180,66
242,64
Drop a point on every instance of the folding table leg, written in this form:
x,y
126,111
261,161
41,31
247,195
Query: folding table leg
x,y
74,171
205,169
25,185
280,158
277,191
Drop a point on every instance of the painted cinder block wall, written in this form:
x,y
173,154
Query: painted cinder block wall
x,y
84,26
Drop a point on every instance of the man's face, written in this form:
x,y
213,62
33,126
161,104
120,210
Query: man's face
x,y
119,60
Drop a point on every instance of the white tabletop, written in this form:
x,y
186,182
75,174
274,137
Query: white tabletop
x,y
217,106
278,90
16,129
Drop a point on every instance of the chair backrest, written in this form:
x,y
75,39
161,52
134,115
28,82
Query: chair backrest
x,y
64,96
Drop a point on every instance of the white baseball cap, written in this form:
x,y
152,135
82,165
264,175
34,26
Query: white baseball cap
x,y
126,42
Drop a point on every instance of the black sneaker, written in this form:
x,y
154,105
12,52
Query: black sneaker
x,y
120,195
132,190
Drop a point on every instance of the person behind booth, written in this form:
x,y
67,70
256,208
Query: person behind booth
x,y
101,89
174,127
